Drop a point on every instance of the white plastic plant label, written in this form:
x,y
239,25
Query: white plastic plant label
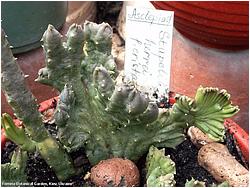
x,y
148,48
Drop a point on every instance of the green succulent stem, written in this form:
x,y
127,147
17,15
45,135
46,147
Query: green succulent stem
x,y
114,117
24,105
17,94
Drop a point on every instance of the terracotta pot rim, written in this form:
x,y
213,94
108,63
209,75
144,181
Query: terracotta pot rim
x,y
218,33
227,28
208,37
213,45
159,3
177,17
216,10
225,32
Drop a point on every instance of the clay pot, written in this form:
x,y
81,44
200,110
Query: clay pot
x,y
221,25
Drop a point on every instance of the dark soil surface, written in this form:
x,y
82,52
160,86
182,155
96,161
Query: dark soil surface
x,y
38,171
185,157
41,175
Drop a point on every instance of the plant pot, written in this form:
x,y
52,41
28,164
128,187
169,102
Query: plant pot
x,y
221,25
20,22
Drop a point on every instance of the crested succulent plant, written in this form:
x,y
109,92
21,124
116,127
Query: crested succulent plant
x,y
207,111
13,173
160,169
25,108
110,116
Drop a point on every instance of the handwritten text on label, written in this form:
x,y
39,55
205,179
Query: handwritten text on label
x,y
148,47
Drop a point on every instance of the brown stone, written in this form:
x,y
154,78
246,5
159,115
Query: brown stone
x,y
115,172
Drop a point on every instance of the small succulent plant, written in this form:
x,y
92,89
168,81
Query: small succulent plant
x,y
194,183
98,108
160,169
13,173
197,183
